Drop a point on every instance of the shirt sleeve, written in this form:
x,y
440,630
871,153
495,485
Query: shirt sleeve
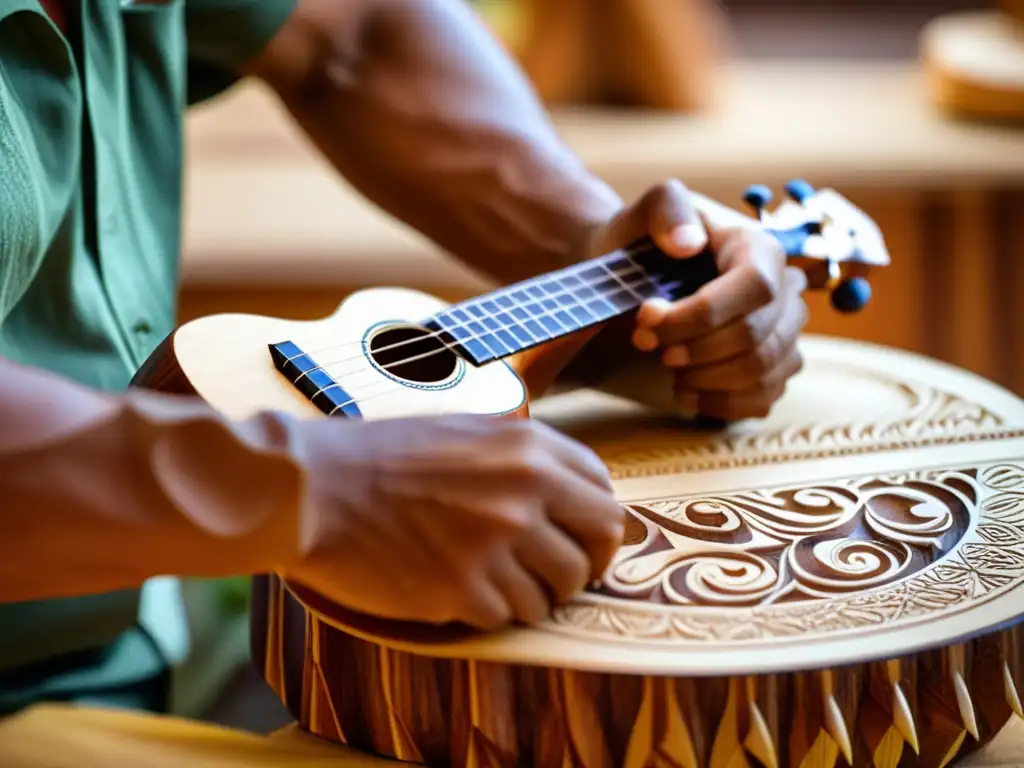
x,y
225,34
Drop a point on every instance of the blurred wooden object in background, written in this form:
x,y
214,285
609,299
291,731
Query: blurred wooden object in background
x,y
975,65
271,229
1012,8
658,54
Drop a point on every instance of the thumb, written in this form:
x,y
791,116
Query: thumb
x,y
673,221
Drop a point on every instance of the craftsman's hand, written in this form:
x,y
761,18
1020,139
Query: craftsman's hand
x,y
477,520
732,343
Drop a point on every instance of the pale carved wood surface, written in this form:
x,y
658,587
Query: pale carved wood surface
x,y
838,582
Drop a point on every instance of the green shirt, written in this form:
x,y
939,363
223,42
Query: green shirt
x,y
90,220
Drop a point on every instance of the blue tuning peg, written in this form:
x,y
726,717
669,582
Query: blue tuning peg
x,y
757,197
799,190
851,295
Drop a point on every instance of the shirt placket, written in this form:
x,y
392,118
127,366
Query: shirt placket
x,y
115,243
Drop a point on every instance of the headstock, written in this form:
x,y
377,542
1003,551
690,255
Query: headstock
x,y
834,242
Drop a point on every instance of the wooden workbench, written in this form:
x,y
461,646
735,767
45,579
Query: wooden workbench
x,y
63,737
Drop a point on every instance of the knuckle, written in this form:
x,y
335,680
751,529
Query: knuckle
x,y
752,330
797,364
672,188
772,247
763,289
529,471
515,515
795,279
768,356
525,431
759,365
803,313
703,315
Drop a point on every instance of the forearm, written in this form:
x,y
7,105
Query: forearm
x,y
100,492
429,118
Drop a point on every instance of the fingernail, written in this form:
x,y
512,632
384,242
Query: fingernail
x,y
645,340
676,357
652,312
691,237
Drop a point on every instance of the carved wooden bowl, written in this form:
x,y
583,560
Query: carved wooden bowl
x,y
838,584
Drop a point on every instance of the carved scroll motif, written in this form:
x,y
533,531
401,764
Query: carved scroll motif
x,y
864,553
790,544
931,417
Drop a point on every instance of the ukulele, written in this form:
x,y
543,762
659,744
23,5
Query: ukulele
x,y
394,352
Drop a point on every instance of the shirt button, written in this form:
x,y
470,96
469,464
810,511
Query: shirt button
x,y
142,328
110,224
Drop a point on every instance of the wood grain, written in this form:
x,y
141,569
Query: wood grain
x,y
115,738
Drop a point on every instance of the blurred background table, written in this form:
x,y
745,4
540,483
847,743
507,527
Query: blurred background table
x,y
271,229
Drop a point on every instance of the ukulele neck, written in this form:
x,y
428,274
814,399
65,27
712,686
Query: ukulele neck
x,y
516,318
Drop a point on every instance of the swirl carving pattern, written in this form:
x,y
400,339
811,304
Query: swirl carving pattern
x,y
860,554
790,544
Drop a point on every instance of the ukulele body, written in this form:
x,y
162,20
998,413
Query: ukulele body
x,y
357,354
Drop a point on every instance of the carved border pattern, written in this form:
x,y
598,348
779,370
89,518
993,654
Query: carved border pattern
x,y
933,417
986,563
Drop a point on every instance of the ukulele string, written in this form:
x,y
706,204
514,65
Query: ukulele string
x,y
487,331
377,383
628,252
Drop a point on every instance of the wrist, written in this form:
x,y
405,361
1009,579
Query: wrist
x,y
235,487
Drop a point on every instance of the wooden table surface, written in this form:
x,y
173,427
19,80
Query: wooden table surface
x,y
262,207
55,736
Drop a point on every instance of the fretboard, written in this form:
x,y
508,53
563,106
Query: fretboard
x,y
520,316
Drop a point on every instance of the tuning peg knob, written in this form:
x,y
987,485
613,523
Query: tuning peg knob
x,y
757,196
799,190
851,295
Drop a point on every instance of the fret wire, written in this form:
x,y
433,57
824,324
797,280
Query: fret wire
x,y
502,316
333,384
640,299
448,323
495,329
544,312
463,326
477,335
533,300
536,300
499,295
463,341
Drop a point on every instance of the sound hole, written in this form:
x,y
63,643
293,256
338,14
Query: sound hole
x,y
413,354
